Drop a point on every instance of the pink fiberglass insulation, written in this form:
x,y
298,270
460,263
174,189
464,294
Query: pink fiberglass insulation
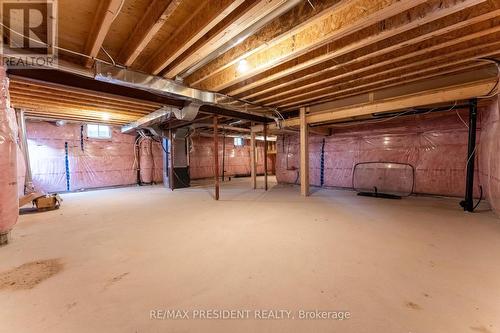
x,y
237,159
489,153
151,161
21,172
9,204
434,144
99,163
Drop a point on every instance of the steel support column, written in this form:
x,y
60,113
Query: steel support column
x,y
468,203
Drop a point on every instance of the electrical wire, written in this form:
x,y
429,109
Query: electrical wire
x,y
391,118
109,56
309,1
56,47
494,91
460,117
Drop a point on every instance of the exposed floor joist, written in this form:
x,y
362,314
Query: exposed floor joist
x,y
430,37
233,24
292,20
153,19
206,17
106,14
343,20
453,93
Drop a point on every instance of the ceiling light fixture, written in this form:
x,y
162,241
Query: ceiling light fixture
x,y
243,66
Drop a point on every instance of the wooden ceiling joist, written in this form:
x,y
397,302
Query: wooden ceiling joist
x,y
346,19
44,103
359,87
64,89
448,94
49,101
207,16
454,93
45,115
48,94
423,61
106,13
269,34
393,31
233,24
82,114
153,19
236,22
419,41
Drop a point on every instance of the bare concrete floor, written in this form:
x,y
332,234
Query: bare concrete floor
x,y
418,265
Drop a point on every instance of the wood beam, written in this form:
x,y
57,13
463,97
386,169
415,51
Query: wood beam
x,y
73,81
106,14
393,82
78,93
54,114
253,160
158,12
323,113
207,16
216,158
44,109
344,19
269,34
51,103
266,176
47,93
171,157
364,41
435,96
409,72
304,153
60,116
248,13
83,103
416,42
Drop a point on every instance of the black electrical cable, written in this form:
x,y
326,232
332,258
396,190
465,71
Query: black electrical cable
x,y
480,198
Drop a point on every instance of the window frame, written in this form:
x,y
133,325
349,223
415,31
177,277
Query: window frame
x,y
237,141
99,137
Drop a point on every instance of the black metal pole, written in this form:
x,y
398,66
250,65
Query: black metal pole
x,y
468,203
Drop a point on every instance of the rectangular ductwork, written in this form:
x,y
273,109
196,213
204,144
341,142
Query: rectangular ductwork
x,y
170,88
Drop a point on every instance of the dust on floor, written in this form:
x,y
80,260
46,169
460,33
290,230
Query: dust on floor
x,y
29,275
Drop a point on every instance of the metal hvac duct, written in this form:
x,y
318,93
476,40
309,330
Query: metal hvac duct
x,y
170,88
188,113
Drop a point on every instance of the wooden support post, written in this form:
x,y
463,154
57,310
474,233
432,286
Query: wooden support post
x,y
304,153
171,180
224,156
253,166
216,157
266,186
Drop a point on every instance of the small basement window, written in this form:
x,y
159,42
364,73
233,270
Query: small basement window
x,y
239,142
98,131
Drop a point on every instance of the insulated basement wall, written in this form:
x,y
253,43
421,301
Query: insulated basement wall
x,y
237,159
434,144
489,154
151,161
9,205
21,172
97,163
